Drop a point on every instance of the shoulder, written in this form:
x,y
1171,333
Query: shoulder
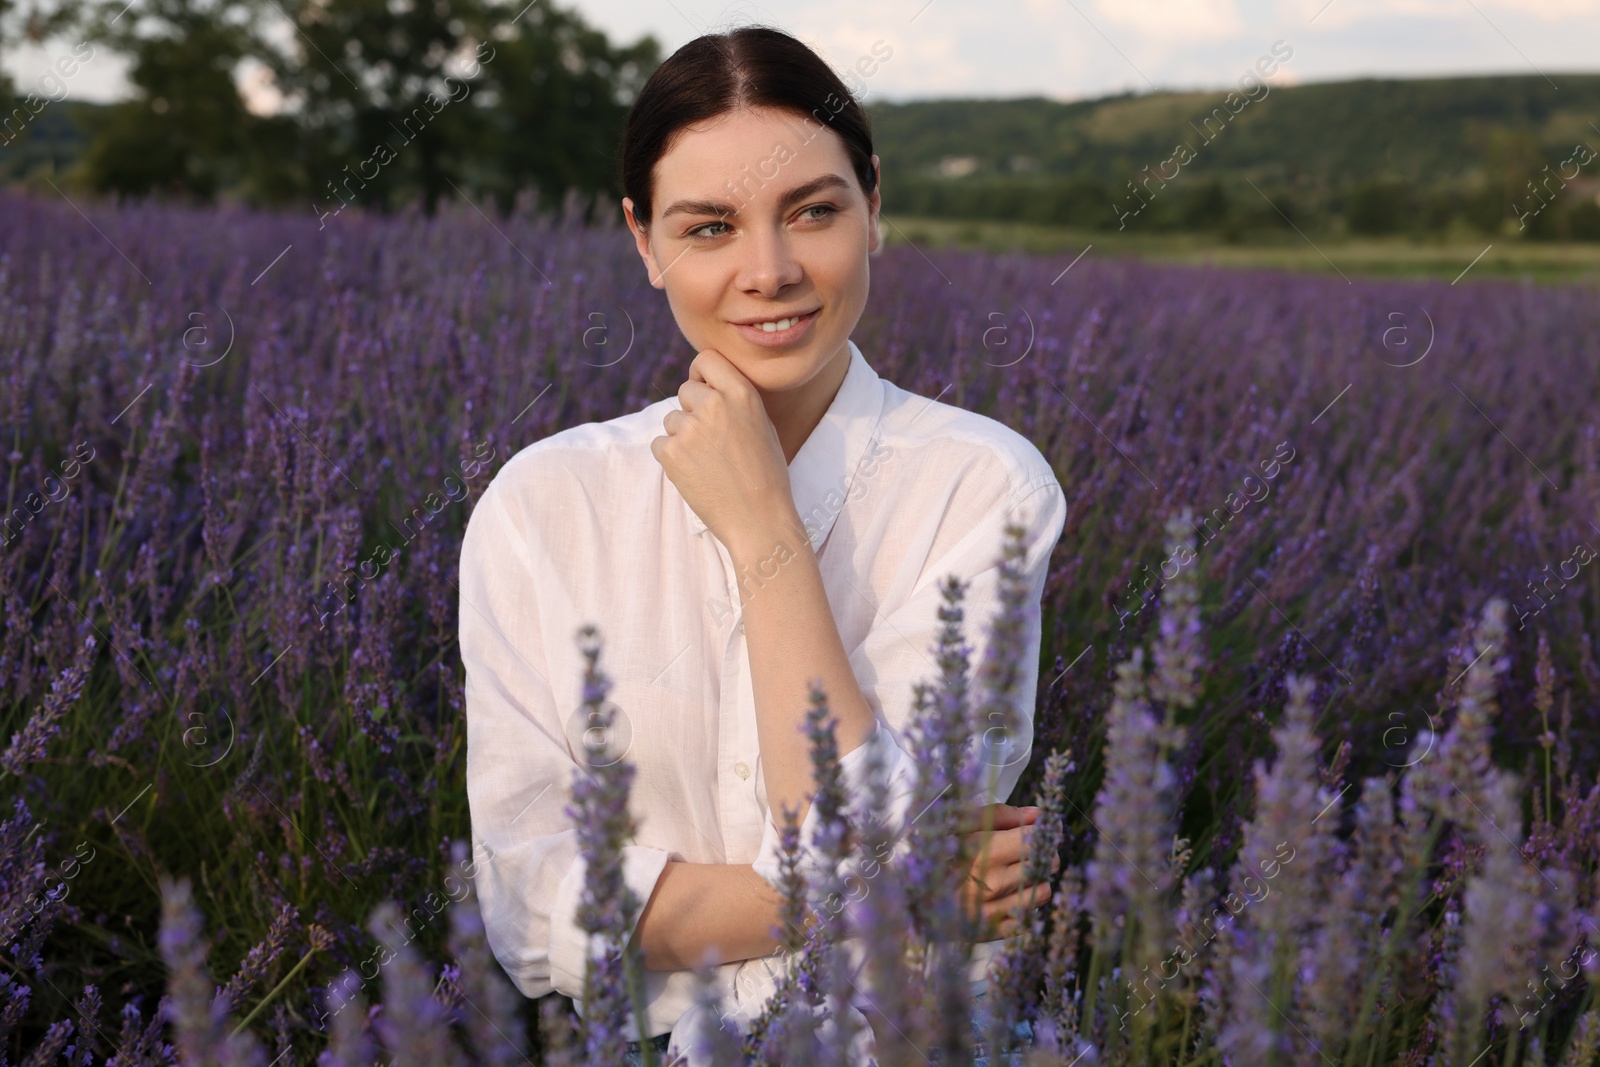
x,y
555,471
963,448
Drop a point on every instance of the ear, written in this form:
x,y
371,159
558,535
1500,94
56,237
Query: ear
x,y
641,240
874,203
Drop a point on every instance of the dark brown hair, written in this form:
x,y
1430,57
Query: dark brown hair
x,y
753,66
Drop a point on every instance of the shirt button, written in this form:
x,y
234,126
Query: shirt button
x,y
742,769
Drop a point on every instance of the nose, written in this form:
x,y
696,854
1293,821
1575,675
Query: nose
x,y
769,263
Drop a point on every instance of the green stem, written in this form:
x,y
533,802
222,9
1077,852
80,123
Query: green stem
x,y
248,1019
635,980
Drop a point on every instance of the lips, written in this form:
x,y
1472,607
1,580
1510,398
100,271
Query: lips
x,y
798,327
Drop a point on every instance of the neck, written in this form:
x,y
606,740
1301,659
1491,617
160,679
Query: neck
x,y
796,412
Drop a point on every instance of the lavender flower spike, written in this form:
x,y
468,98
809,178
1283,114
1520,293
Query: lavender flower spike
x,y
491,1017
1278,892
414,1025
1178,660
609,908
199,1018
1459,780
1129,879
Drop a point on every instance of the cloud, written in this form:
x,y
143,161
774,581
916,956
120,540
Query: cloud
x,y
1175,20
1350,12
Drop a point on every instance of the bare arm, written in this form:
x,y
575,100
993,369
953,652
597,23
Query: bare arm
x,y
723,906
792,638
730,909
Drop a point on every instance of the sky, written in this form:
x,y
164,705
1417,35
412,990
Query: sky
x,y
1075,49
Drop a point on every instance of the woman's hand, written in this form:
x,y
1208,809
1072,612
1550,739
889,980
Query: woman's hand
x,y
723,454
994,886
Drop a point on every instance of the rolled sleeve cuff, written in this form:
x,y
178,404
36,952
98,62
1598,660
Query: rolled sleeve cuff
x,y
853,769
641,869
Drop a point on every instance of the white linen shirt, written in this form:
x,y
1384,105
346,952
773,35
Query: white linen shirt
x,y
896,491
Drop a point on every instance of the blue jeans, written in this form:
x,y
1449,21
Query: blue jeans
x,y
980,1026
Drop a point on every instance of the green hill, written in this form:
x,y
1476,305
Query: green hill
x,y
1376,155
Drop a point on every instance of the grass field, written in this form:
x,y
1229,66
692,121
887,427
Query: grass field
x,y
1448,258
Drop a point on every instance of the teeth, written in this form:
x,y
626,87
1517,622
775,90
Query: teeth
x,y
781,324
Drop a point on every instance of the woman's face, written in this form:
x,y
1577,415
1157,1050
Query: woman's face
x,y
758,217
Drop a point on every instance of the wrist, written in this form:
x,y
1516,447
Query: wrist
x,y
758,552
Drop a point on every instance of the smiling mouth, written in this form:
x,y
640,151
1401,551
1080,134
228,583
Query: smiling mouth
x,y
777,325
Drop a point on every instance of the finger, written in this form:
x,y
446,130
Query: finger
x,y
1003,882
1029,898
1005,817
1004,853
713,368
1007,847
693,393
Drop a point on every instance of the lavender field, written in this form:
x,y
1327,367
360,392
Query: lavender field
x,y
1324,791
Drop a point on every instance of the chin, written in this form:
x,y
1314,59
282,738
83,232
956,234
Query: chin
x,y
775,370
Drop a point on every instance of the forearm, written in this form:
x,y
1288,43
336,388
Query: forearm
x,y
723,906
792,638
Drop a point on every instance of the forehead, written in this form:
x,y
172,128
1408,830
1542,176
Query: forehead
x,y
703,159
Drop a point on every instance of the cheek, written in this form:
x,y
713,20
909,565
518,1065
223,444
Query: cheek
x,y
850,283
694,295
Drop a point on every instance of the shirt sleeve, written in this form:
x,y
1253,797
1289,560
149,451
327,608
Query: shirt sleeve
x,y
899,652
521,764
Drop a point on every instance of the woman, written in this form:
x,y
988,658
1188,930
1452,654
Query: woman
x,y
786,518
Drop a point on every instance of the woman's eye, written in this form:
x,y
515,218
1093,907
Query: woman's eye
x,y
696,232
829,208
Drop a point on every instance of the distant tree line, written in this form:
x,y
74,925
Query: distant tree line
x,y
386,102
381,102
1228,206
1492,153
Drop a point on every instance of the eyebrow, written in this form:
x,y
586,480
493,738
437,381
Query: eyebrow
x,y
721,209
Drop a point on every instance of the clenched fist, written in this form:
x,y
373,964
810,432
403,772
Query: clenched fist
x,y
723,454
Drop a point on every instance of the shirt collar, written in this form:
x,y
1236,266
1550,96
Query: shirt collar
x,y
825,468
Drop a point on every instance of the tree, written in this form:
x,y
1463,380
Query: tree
x,y
186,131
561,92
419,97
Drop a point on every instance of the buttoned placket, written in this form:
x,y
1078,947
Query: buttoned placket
x,y
836,445
737,735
